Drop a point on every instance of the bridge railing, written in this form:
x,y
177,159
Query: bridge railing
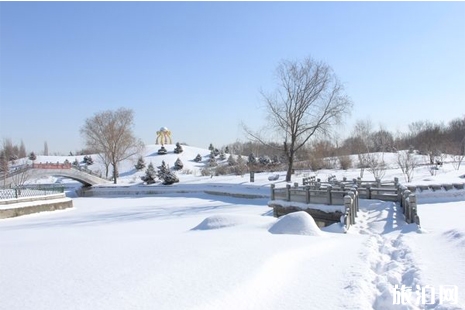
x,y
57,165
20,192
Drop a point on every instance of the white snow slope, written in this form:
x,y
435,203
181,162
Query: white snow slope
x,y
194,250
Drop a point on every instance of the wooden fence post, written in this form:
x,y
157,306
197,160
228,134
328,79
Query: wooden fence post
x,y
307,194
272,191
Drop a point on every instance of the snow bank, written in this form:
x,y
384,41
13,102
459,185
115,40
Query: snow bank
x,y
297,223
230,220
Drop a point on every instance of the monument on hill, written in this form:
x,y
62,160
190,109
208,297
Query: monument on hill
x,y
164,136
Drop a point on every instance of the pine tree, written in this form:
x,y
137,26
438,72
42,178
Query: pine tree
x,y
162,170
212,161
252,160
140,164
178,148
32,156
88,160
178,165
150,174
170,178
198,158
164,173
226,149
211,148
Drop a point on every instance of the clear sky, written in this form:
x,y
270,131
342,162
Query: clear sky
x,y
198,67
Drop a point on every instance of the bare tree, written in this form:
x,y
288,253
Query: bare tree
x,y
22,150
362,132
110,133
309,100
407,163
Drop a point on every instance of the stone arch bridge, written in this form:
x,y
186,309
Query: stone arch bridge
x,y
49,169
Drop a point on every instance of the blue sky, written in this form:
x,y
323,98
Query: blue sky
x,y
198,67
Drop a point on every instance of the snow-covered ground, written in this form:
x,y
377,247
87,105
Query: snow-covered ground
x,y
192,249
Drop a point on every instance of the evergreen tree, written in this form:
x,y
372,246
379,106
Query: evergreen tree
x,y
164,173
264,160
162,150
32,156
140,164
252,160
150,174
211,148
178,164
162,170
76,163
88,160
170,178
212,161
226,149
198,158
178,148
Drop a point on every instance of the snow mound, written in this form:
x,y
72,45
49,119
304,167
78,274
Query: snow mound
x,y
296,223
227,220
335,228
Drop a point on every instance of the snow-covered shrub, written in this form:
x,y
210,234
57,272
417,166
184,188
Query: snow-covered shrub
x,y
222,170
